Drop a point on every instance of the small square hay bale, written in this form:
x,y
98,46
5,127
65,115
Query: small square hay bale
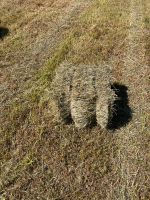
x,y
82,93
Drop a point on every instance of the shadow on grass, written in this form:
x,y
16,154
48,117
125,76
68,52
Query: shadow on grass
x,y
3,32
122,113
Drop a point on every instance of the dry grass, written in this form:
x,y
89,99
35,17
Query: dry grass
x,y
43,160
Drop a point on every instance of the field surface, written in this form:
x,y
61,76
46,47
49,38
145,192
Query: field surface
x,y
41,159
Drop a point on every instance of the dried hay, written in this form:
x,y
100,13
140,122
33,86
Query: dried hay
x,y
83,93
105,95
83,96
61,92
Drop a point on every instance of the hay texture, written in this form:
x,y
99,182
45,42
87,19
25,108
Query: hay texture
x,y
61,92
105,95
84,94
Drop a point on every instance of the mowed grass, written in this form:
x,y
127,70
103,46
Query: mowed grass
x,y
102,28
147,28
44,160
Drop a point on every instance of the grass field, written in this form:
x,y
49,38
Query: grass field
x,y
40,159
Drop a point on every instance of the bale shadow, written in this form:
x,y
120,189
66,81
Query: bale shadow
x,y
3,32
122,113
68,120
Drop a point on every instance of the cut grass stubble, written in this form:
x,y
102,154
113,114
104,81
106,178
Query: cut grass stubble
x,y
58,161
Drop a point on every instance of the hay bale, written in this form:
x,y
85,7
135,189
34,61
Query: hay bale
x,y
83,96
61,92
82,93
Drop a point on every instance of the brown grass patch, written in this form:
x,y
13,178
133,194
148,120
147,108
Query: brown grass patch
x,y
43,160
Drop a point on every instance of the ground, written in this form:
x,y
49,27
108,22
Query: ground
x,y
40,159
